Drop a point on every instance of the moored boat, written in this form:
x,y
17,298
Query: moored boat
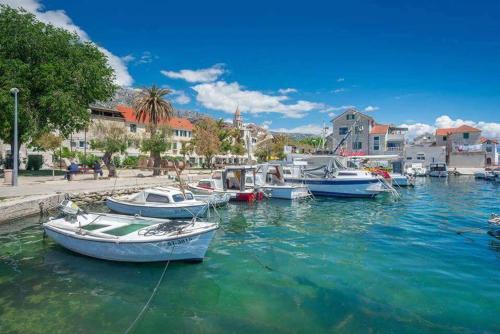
x,y
159,202
438,170
130,238
402,180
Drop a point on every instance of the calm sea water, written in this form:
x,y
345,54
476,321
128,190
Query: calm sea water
x,y
328,265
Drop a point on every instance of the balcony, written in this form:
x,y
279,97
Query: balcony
x,y
395,137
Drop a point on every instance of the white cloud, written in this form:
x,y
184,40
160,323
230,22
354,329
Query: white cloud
x,y
285,91
339,90
489,129
308,129
332,114
197,76
266,124
417,129
340,80
340,108
59,18
181,97
371,108
226,97
128,58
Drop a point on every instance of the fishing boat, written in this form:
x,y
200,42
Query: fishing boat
x,y
327,176
270,178
438,170
129,238
159,202
232,180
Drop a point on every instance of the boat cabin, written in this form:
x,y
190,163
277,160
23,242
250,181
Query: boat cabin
x,y
162,195
437,167
235,178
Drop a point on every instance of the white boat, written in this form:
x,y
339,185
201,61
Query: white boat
x,y
327,176
416,169
402,180
215,199
438,170
232,181
130,239
159,202
484,174
270,178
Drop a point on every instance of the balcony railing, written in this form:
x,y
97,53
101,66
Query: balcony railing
x,y
395,137
395,148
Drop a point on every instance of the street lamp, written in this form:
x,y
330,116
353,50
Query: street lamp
x,y
15,91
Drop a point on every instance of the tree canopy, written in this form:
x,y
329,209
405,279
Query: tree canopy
x,y
57,74
205,139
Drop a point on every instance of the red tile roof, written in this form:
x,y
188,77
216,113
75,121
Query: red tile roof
x,y
379,129
460,129
484,140
175,122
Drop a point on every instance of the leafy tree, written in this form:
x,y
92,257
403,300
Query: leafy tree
x,y
205,139
110,138
230,139
152,108
57,74
158,143
49,142
272,148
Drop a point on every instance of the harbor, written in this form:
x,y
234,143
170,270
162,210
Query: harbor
x,y
424,263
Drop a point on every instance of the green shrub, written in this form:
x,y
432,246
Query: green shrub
x,y
130,162
88,159
65,153
117,162
35,162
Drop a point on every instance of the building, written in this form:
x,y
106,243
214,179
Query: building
x,y
424,154
463,146
490,147
366,137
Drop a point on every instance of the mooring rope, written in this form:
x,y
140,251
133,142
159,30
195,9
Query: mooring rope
x,y
146,306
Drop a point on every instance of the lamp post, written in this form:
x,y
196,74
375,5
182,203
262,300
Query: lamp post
x,y
15,91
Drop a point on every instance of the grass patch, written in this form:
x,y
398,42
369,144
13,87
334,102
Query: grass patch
x,y
44,172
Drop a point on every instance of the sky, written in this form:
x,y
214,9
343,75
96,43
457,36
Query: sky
x,y
292,66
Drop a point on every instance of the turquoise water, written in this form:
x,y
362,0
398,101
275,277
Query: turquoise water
x,y
328,265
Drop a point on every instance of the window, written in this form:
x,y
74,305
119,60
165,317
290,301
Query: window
x,y
420,156
82,144
466,135
357,145
157,198
343,131
489,149
189,196
178,197
176,132
376,147
408,158
350,116
133,128
359,129
444,138
376,138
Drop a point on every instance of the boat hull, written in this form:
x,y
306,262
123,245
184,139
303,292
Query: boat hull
x,y
184,212
341,188
188,248
438,174
287,192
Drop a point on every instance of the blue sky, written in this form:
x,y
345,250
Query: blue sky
x,y
292,65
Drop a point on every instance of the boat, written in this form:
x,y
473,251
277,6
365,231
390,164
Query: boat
x,y
129,238
416,169
215,199
159,202
401,180
270,178
232,180
494,222
438,170
327,176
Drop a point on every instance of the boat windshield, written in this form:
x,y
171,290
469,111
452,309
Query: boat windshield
x,y
189,196
157,198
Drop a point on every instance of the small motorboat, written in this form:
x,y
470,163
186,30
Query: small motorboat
x,y
402,180
416,169
270,178
159,202
129,238
232,181
438,170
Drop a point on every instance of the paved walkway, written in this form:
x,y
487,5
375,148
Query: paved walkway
x,y
29,186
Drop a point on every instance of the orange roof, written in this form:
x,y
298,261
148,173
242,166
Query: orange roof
x,y
484,140
379,129
460,129
175,122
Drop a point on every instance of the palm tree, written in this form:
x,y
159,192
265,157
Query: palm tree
x,y
152,108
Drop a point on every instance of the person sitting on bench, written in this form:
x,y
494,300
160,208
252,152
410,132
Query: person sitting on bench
x,y
97,169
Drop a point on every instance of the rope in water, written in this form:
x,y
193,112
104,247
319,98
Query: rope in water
x,y
146,306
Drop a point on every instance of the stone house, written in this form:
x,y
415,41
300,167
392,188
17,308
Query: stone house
x,y
490,147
